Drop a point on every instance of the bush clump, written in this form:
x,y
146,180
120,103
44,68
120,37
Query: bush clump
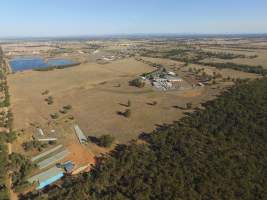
x,y
45,92
189,106
127,113
105,141
28,146
67,107
63,111
21,167
137,83
49,100
11,137
54,116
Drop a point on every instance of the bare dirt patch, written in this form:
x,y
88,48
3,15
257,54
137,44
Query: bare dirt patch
x,y
79,154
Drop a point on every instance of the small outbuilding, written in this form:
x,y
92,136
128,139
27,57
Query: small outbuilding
x,y
68,166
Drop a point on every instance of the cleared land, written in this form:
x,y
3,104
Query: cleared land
x,y
93,92
261,58
96,94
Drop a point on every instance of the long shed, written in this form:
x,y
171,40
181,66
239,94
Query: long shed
x,y
47,177
82,138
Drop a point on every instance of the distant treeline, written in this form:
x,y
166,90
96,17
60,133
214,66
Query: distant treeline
x,y
56,67
196,56
219,152
193,54
240,67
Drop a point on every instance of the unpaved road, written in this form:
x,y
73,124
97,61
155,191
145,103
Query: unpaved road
x,y
13,195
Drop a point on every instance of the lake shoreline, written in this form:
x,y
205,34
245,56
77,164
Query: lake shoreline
x,y
39,63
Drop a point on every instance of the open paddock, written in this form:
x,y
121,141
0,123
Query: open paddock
x,y
97,93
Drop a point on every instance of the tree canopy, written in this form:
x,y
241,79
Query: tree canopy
x,y
219,152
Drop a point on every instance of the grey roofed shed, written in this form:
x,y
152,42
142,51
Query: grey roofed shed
x,y
82,138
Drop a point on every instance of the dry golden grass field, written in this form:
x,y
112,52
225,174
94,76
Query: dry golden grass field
x,y
93,92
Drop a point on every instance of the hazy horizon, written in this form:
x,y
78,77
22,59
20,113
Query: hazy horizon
x,y
59,18
137,35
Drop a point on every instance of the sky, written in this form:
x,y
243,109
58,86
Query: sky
x,y
39,18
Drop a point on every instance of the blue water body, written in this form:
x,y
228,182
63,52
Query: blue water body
x,y
27,63
59,62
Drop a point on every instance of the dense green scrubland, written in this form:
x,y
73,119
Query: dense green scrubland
x,y
3,170
219,152
15,165
3,147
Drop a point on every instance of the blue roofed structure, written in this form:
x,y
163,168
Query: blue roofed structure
x,y
47,177
68,166
50,181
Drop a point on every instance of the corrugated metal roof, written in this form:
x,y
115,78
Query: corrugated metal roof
x,y
69,166
82,138
39,156
53,159
50,181
46,175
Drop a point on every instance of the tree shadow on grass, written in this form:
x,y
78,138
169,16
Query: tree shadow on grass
x,y
123,104
93,139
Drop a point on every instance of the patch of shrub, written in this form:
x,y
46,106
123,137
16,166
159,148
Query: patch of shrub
x,y
45,92
127,113
63,111
71,117
189,106
21,167
10,137
137,83
28,146
54,116
105,141
49,100
67,107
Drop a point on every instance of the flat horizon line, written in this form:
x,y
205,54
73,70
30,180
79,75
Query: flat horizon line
x,y
125,35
